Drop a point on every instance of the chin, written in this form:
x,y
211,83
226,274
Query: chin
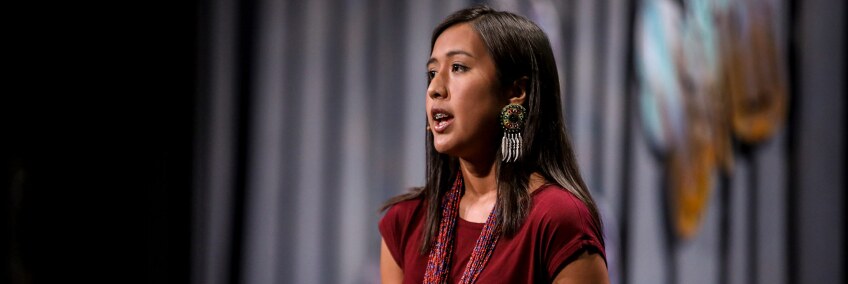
x,y
443,148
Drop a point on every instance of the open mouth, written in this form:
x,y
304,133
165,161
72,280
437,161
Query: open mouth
x,y
441,120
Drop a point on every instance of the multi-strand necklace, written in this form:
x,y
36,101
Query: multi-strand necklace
x,y
438,264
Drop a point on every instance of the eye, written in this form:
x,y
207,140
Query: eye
x,y
430,75
458,68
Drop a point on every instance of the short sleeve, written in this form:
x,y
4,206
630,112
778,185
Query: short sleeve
x,y
391,227
567,229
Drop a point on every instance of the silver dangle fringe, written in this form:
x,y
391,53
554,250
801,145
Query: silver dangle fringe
x,y
512,120
511,147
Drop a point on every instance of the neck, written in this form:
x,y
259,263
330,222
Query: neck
x,y
479,177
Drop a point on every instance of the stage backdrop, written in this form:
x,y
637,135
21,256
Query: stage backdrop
x,y
710,133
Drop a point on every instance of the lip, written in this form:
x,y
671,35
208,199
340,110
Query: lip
x,y
445,119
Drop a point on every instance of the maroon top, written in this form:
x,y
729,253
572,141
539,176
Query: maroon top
x,y
558,227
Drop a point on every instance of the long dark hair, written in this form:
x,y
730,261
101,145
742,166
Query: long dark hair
x,y
520,49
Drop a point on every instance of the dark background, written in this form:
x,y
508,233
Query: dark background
x,y
96,141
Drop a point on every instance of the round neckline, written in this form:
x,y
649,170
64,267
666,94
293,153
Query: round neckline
x,y
462,223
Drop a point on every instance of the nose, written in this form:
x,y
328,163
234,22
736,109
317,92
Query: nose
x,y
436,89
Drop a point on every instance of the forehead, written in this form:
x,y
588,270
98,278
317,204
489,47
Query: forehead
x,y
459,37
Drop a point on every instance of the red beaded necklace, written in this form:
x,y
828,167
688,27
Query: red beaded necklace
x,y
438,264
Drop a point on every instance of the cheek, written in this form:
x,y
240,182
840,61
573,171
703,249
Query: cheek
x,y
481,112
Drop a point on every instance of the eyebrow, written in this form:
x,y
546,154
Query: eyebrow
x,y
450,54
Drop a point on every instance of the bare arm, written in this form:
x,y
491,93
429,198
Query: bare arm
x,y
390,272
587,268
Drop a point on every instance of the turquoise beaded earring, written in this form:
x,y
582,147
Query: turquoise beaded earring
x,y
512,120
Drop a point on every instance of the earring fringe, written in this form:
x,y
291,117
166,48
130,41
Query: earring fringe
x,y
512,120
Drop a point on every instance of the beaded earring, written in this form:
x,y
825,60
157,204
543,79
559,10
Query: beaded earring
x,y
512,120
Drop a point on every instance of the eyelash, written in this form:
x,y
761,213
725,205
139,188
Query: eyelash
x,y
454,68
457,67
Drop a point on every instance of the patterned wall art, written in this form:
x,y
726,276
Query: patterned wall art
x,y
712,86
711,77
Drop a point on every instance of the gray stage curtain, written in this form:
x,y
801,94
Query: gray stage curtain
x,y
312,116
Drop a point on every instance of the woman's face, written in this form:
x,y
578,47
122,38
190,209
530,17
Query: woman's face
x,y
464,97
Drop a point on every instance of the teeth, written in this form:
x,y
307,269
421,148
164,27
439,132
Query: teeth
x,y
440,116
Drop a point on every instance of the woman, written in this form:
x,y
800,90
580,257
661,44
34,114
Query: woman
x,y
504,201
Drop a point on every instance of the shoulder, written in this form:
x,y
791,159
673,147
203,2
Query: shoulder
x,y
404,208
398,226
564,225
556,212
400,213
555,203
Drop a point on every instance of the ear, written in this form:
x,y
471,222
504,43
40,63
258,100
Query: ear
x,y
518,91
